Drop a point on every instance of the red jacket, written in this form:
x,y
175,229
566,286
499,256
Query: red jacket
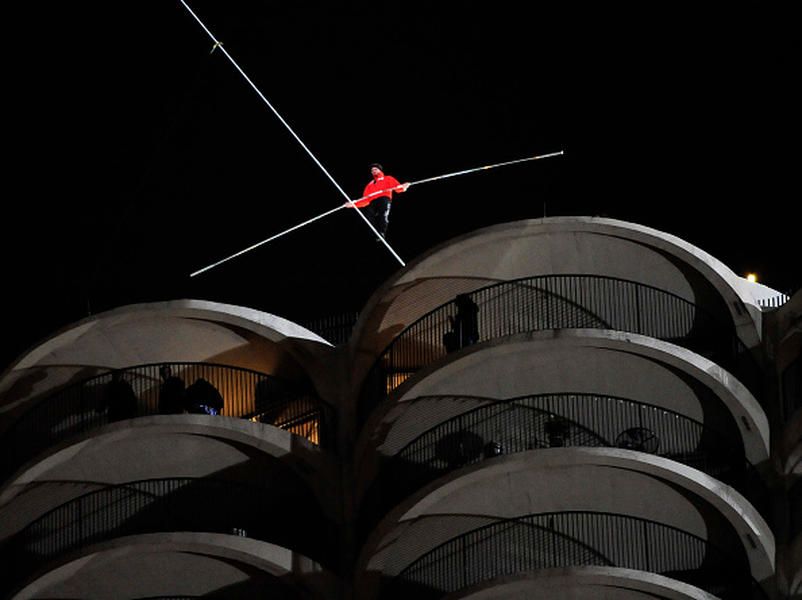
x,y
380,186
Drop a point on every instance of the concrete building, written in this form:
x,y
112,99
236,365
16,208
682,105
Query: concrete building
x,y
579,407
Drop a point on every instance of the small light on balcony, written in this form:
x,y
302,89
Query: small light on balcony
x,y
751,278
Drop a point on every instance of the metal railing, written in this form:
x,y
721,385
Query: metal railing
x,y
772,302
570,539
87,405
293,521
573,420
556,302
560,420
335,329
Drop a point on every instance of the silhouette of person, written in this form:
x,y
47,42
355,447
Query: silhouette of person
x,y
171,393
464,324
558,430
119,401
492,449
377,198
202,398
459,448
272,396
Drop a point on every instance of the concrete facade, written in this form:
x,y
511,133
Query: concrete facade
x,y
620,419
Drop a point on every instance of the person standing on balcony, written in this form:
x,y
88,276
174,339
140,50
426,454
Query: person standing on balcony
x,y
377,198
202,398
119,401
464,324
171,393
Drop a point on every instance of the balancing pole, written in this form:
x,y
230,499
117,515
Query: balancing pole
x,y
263,242
351,204
501,164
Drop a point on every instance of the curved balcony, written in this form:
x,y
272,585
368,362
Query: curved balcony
x,y
167,505
560,420
87,405
182,565
554,302
572,539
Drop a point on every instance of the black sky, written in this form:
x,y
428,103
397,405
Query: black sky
x,y
138,156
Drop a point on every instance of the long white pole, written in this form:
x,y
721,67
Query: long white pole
x,y
350,203
270,239
484,168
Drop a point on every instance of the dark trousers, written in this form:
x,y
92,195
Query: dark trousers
x,y
378,213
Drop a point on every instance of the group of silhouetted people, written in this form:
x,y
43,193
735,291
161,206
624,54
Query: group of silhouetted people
x,y
201,397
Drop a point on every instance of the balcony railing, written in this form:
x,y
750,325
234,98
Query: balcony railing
x,y
554,302
559,420
571,539
334,328
293,521
87,405
773,301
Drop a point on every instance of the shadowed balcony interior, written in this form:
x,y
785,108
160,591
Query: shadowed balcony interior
x,y
497,427
570,539
554,302
283,514
83,406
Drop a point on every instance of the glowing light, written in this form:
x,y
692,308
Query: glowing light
x,y
751,277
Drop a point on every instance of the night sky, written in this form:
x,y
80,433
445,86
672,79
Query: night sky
x,y
138,155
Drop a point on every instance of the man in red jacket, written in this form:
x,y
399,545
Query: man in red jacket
x,y
377,197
